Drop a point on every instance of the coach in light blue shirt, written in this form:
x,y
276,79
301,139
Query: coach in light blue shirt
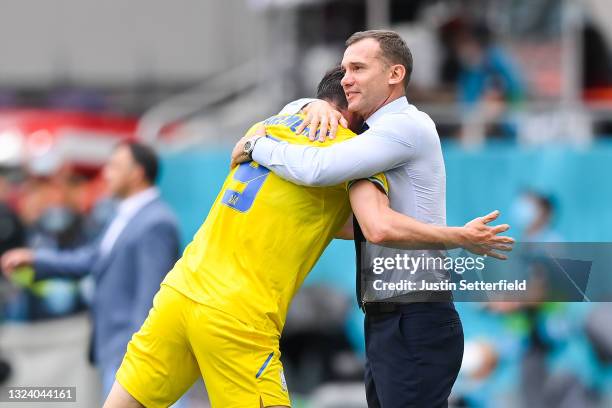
x,y
414,347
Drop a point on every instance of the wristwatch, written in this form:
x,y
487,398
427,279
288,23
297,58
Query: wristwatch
x,y
249,145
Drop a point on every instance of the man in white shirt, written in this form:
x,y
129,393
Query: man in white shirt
x,y
128,261
414,345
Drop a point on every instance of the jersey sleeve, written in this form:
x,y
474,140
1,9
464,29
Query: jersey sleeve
x,y
380,180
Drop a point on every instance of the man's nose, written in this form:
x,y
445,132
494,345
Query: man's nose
x,y
346,80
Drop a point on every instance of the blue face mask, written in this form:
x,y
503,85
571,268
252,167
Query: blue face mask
x,y
523,212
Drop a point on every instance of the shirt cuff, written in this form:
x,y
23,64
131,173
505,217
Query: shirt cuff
x,y
262,152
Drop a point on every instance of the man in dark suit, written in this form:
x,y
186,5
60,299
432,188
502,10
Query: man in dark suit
x,y
128,261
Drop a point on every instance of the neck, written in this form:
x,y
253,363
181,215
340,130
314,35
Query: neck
x,y
137,189
537,226
395,94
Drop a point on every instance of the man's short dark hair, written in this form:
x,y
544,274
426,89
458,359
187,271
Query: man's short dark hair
x,y
393,48
146,158
330,88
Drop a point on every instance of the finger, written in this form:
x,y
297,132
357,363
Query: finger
x,y
233,160
477,249
314,126
8,266
323,126
300,129
490,217
333,129
5,263
500,228
305,122
496,255
241,158
343,122
502,239
500,247
306,109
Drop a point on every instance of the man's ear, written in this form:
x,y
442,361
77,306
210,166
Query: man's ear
x,y
397,74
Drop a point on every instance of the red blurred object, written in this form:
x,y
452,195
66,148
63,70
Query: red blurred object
x,y
63,152
603,95
80,139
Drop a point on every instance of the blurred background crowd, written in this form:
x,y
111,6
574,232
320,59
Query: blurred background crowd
x,y
521,92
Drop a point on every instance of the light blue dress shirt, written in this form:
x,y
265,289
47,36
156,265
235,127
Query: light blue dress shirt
x,y
401,141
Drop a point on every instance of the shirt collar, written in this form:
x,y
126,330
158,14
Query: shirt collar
x,y
137,201
396,105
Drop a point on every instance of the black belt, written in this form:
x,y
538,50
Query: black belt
x,y
378,308
406,302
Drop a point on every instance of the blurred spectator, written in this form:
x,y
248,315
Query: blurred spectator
x,y
488,81
509,344
551,339
533,215
533,353
52,222
556,358
128,262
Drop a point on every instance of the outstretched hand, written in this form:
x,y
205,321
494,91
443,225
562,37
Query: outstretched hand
x,y
482,239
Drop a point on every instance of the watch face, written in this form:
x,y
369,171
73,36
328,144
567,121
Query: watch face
x,y
247,146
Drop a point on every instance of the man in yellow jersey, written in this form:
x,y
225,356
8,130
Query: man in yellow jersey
x,y
221,310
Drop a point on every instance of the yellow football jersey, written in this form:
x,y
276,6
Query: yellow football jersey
x,y
261,237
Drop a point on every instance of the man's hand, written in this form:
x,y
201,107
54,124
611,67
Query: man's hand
x,y
16,258
482,239
322,116
238,154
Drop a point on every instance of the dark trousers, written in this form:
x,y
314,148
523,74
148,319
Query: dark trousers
x,y
413,355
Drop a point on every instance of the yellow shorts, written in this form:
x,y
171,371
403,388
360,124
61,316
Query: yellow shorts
x,y
182,339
